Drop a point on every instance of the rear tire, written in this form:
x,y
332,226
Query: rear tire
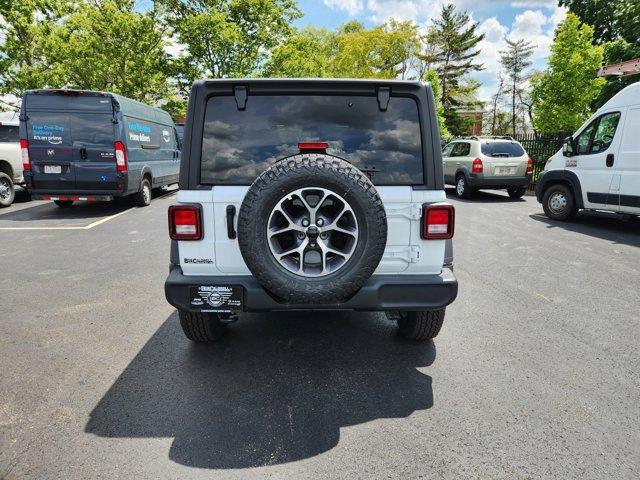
x,y
558,202
202,327
63,203
462,188
517,192
420,325
143,197
7,190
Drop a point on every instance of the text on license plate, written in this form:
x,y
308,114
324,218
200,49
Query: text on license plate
x,y
505,170
52,169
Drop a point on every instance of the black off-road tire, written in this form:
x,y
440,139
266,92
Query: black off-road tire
x,y
8,189
420,325
463,190
63,203
322,171
517,192
202,327
143,197
569,209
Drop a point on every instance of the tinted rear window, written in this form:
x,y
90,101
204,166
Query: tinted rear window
x,y
70,129
502,149
9,134
239,145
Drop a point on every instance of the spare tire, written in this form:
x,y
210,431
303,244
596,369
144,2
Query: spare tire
x,y
312,229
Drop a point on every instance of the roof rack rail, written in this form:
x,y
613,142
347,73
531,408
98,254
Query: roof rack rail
x,y
488,137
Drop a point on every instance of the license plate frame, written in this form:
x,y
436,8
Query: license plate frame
x,y
216,298
505,170
53,169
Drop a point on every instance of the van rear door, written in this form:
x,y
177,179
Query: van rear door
x,y
71,142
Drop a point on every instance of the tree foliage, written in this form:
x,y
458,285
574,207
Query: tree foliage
x,y
109,46
353,51
515,60
228,38
23,59
563,93
450,47
431,76
616,25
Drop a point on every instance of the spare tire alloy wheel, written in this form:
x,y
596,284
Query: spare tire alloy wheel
x,y
312,229
312,232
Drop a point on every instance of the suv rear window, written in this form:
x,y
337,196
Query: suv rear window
x,y
501,149
9,134
239,145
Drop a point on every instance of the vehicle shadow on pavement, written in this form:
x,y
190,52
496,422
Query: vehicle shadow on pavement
x,y
277,389
484,196
600,225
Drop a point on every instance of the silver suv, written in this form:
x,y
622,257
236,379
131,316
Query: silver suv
x,y
472,163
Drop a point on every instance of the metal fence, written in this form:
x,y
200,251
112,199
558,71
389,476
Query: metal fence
x,y
540,148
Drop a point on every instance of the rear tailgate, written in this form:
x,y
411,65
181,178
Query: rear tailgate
x,y
71,144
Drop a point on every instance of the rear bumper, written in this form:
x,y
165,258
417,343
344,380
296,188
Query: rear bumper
x,y
72,197
478,180
380,293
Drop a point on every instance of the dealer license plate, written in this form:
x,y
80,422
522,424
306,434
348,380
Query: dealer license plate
x,y
52,169
216,299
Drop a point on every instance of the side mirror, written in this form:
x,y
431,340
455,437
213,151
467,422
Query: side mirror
x,y
567,147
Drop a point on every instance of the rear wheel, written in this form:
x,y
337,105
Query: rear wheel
x,y
517,192
143,197
558,202
462,188
419,325
202,327
63,203
7,190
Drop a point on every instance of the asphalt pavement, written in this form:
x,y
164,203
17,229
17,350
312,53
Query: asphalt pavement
x,y
535,373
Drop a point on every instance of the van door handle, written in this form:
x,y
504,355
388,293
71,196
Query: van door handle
x,y
610,159
231,214
83,153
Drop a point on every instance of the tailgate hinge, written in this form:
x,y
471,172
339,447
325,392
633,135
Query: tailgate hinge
x,y
411,212
384,93
240,93
409,254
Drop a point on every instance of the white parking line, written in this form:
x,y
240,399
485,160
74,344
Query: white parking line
x,y
86,227
169,194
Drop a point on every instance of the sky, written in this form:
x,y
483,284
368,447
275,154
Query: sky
x,y
532,20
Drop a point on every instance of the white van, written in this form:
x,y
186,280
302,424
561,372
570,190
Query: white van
x,y
598,167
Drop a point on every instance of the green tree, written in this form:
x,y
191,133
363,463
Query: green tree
x,y
384,51
515,60
431,76
562,95
228,38
450,46
616,25
25,26
109,46
306,53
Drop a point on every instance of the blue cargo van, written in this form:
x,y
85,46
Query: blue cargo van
x,y
85,145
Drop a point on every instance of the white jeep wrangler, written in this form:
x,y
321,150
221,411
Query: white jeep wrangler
x,y
311,195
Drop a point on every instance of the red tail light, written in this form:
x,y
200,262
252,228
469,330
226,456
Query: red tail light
x,y
24,149
477,166
316,147
529,167
121,157
185,222
438,221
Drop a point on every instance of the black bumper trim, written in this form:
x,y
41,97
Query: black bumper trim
x,y
477,181
381,292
